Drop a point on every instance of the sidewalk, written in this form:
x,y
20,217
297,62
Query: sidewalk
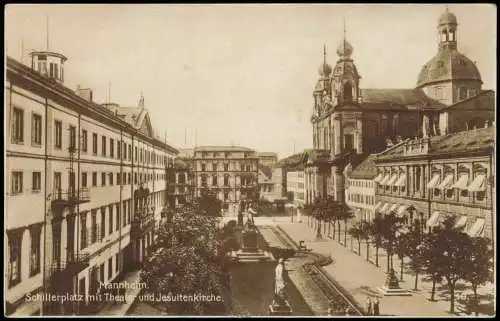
x,y
121,309
361,278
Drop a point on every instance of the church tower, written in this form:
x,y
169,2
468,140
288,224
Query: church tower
x,y
345,76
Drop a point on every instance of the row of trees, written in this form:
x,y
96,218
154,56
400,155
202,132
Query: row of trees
x,y
445,253
190,257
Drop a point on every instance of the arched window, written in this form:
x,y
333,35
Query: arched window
x,y
462,93
347,91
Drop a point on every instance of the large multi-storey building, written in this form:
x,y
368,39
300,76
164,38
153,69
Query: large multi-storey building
x,y
230,172
182,191
296,186
85,184
434,177
348,120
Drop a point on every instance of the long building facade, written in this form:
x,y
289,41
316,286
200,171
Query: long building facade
x,y
230,172
86,184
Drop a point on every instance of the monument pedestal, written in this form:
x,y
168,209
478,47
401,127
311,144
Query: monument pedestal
x,y
392,288
282,309
250,251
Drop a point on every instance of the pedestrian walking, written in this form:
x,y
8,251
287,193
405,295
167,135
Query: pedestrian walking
x,y
347,311
376,307
368,306
330,311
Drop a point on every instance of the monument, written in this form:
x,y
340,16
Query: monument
x,y
280,305
250,251
391,287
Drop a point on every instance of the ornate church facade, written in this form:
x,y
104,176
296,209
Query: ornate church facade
x,y
350,122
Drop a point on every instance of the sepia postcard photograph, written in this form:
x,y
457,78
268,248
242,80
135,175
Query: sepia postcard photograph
x,y
239,160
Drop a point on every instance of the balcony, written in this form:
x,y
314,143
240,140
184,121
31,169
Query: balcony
x,y
141,223
63,270
70,197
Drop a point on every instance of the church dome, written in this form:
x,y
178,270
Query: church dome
x,y
448,65
344,49
325,70
447,18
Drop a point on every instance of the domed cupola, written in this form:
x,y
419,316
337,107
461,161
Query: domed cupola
x,y
449,66
344,50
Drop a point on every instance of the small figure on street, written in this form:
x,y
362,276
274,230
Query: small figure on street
x,y
330,312
368,306
347,311
376,306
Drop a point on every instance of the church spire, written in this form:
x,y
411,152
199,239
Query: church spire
x,y
324,54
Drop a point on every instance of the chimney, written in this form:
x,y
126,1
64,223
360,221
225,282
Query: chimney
x,y
85,93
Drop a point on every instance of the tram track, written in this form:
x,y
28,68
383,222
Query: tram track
x,y
339,300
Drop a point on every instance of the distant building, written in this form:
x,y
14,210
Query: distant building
x,y
296,187
447,175
230,172
182,191
360,188
268,159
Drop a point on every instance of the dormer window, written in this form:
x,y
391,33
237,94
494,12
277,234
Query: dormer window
x,y
462,93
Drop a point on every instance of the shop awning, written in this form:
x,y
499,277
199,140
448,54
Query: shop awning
x,y
391,181
433,220
392,208
401,181
478,184
462,182
377,206
385,180
461,222
378,178
434,181
446,182
384,208
477,229
401,209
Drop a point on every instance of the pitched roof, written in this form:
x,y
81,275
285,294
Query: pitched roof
x,y
396,99
469,141
482,102
223,149
267,154
366,169
299,160
131,115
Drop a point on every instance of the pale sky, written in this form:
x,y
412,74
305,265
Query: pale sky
x,y
240,74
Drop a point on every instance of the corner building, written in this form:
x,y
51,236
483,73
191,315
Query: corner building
x,y
86,184
349,120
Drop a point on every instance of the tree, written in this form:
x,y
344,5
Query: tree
x,y
343,213
375,231
189,258
431,259
356,232
322,209
479,265
452,264
208,204
390,226
401,245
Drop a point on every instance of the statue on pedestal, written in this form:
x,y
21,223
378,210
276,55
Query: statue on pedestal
x,y
392,280
279,283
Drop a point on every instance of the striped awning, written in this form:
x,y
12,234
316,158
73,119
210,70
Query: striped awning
x,y
446,182
401,209
461,222
391,181
392,208
434,181
401,181
477,229
384,208
462,182
379,178
478,184
385,180
433,220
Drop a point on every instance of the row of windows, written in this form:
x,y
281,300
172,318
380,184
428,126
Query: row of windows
x,y
15,254
360,198
36,181
140,155
243,180
215,167
219,154
360,183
